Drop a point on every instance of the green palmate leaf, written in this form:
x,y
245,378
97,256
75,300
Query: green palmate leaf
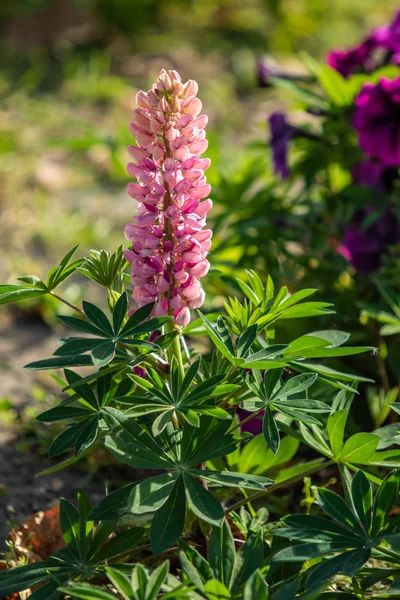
x,y
194,565
80,325
161,422
73,346
334,337
215,590
136,318
246,339
32,280
224,334
331,373
119,312
120,544
336,426
248,559
362,499
385,499
343,351
60,362
295,385
231,479
255,588
271,381
202,502
83,389
58,274
359,448
63,412
308,528
97,318
304,552
216,338
103,354
158,577
21,578
70,525
114,505
150,494
85,526
270,430
222,553
348,563
83,591
49,591
167,523
15,293
87,435
66,439
120,582
334,506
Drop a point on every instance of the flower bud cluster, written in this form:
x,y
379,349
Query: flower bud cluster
x,y
168,235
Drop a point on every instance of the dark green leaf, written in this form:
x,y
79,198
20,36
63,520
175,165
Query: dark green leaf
x,y
222,553
114,505
97,318
202,502
103,354
66,439
149,495
80,325
119,312
270,430
87,436
362,498
334,506
120,544
60,362
167,523
74,346
63,412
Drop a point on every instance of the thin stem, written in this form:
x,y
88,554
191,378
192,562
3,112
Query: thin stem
x,y
277,486
252,416
73,306
174,350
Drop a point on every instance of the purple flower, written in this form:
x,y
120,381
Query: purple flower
x,y
253,426
360,57
281,134
388,36
347,62
374,175
377,120
364,248
266,68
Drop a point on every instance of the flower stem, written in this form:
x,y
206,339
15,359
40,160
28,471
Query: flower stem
x,y
73,306
174,350
253,415
277,486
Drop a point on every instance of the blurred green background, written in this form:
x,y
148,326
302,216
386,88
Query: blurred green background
x,y
69,71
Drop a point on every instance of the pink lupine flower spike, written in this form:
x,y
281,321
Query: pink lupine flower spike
x,y
169,242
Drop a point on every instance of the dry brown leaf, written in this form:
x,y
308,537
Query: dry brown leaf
x,y
39,536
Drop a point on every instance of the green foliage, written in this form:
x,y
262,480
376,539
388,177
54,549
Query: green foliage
x,y
87,549
205,505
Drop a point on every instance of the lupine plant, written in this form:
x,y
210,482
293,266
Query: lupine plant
x,y
217,419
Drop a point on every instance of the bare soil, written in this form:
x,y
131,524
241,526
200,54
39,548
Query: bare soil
x,y
22,457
